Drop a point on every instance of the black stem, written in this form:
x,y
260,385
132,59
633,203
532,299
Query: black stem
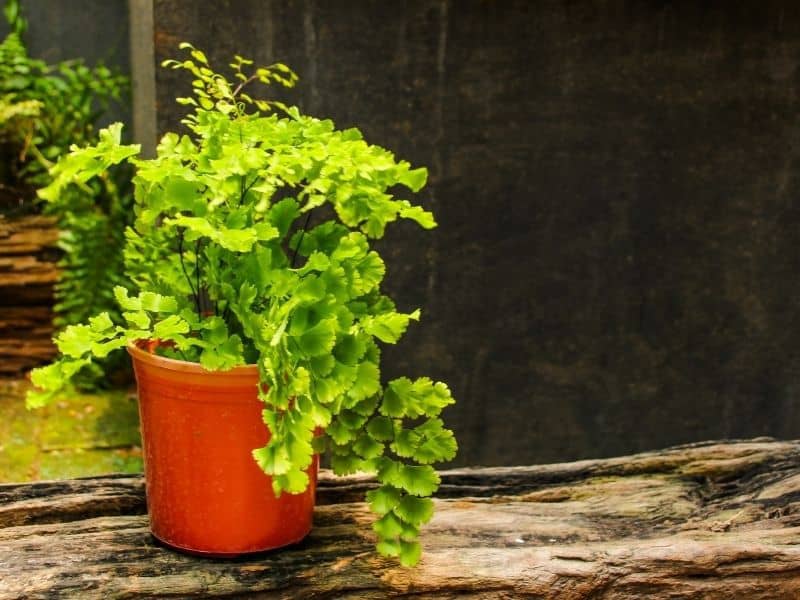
x,y
244,189
197,277
195,293
300,239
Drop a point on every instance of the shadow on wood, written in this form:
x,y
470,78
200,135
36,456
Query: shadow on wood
x,y
710,520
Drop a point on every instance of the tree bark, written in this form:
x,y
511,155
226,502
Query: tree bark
x,y
28,272
710,520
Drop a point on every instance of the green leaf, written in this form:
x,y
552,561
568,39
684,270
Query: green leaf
x,y
406,442
346,464
103,349
50,380
316,262
321,365
414,179
414,510
381,428
402,397
76,340
388,327
418,480
388,526
383,499
410,553
236,240
367,448
388,548
124,301
101,323
184,194
282,214
339,432
366,407
423,217
335,384
393,404
139,319
294,482
224,356
273,459
170,327
371,270
367,381
439,443
317,340
351,419
157,303
349,349
310,290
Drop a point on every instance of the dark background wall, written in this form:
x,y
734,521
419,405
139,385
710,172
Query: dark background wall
x,y
616,183
94,30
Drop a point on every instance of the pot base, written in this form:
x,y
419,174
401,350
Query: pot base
x,y
223,555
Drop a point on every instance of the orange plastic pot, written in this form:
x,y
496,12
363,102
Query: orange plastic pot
x,y
205,493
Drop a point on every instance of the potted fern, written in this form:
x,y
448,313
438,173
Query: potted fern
x,y
255,328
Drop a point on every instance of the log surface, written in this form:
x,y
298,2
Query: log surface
x,y
27,274
710,520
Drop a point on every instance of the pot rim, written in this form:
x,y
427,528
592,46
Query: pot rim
x,y
137,352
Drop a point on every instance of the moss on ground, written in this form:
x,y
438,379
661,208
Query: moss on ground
x,y
81,435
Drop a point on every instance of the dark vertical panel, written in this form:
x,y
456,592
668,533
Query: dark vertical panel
x,y
616,266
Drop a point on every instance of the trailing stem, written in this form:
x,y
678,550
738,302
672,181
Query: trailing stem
x,y
300,239
195,294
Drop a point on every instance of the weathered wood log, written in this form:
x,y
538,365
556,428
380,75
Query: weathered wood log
x,y
711,520
27,274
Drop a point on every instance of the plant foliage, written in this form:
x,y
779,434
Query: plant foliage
x,y
44,109
227,266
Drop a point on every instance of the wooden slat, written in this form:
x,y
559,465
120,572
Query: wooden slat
x,y
27,275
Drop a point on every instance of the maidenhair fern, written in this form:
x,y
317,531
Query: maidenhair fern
x,y
228,266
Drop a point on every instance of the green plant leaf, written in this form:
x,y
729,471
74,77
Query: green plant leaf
x,y
381,428
414,510
169,327
410,553
367,381
317,340
346,464
384,499
388,526
388,548
282,214
388,327
224,356
414,179
418,480
294,482
367,448
157,303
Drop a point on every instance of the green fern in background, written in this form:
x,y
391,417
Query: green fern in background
x,y
44,110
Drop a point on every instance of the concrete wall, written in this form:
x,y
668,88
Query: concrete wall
x,y
617,186
94,30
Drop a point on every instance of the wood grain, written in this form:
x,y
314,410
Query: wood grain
x,y
27,274
712,520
